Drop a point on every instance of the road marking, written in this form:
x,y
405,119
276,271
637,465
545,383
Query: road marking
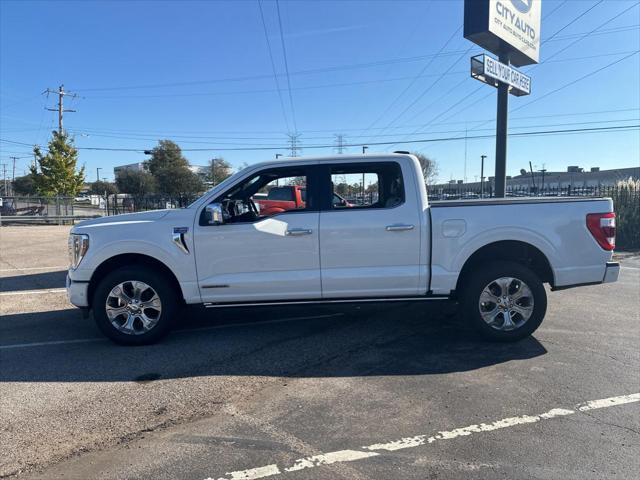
x,y
65,268
329,458
33,292
185,330
419,440
53,342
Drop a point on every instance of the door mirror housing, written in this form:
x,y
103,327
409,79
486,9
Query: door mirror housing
x,y
213,214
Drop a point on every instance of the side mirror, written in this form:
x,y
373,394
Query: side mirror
x,y
213,214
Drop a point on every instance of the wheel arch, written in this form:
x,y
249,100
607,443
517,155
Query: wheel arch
x,y
129,259
511,250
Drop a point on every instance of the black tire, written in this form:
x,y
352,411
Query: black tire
x,y
163,319
483,276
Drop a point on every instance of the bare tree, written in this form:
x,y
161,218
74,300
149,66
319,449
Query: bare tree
x,y
429,168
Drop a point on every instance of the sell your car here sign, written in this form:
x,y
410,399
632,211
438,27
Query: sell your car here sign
x,y
491,71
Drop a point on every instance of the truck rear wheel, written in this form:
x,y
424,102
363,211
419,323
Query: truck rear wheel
x,y
134,306
504,301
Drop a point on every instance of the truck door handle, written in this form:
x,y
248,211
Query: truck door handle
x,y
294,232
398,227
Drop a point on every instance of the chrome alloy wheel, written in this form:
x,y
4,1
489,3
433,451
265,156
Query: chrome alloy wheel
x,y
506,303
133,307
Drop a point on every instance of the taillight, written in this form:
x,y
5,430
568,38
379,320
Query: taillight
x,y
603,228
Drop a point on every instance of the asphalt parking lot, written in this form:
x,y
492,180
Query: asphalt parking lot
x,y
378,391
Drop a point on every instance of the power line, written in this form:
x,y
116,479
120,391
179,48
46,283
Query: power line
x,y
286,68
184,138
390,142
552,36
566,85
575,20
331,85
138,134
415,79
352,66
576,81
339,138
273,65
546,40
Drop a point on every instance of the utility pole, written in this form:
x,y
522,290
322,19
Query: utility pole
x,y
61,110
13,170
293,143
542,170
339,143
4,177
464,176
482,157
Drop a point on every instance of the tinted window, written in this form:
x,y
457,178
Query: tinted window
x,y
285,194
362,185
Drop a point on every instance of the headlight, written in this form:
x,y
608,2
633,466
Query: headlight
x,y
78,246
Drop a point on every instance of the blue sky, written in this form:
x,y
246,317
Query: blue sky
x,y
199,73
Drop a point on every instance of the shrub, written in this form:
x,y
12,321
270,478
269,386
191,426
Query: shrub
x,y
626,203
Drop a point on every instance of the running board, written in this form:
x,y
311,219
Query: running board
x,y
320,301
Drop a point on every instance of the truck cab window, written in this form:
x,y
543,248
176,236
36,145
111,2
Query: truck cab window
x,y
357,186
265,194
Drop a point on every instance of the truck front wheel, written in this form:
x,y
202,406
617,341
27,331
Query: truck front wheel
x,y
504,301
134,306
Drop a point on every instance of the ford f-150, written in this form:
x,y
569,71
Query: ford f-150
x,y
491,256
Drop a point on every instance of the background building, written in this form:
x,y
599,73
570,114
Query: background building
x,y
131,166
574,177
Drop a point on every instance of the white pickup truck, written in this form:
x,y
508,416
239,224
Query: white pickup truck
x,y
491,256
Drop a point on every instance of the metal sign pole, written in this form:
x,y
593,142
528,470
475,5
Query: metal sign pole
x,y
502,115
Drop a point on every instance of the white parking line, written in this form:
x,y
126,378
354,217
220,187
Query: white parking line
x,y
185,330
16,269
418,440
33,292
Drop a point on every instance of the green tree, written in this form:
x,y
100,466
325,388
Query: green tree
x,y
178,182
135,182
166,154
57,175
429,168
100,187
24,185
219,170
171,171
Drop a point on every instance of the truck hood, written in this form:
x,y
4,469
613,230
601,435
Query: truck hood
x,y
120,220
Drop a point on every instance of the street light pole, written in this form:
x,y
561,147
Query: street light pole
x,y
482,157
98,173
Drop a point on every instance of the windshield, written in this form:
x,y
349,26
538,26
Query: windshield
x,y
223,184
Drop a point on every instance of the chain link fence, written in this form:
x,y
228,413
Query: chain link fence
x,y
65,210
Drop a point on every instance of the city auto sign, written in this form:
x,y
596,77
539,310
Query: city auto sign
x,y
517,22
505,27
